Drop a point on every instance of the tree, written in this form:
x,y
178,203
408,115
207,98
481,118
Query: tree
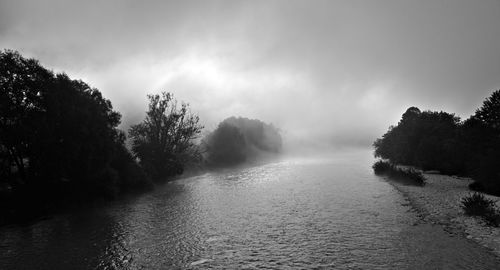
x,y
164,141
438,140
58,136
23,84
489,113
238,139
481,137
424,139
225,146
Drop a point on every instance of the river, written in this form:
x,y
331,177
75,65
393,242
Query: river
x,y
314,212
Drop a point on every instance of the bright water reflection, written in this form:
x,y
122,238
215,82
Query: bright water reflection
x,y
305,213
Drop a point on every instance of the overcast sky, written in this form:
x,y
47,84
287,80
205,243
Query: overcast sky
x,y
332,71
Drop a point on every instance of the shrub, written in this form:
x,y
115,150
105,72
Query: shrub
x,y
477,205
414,175
382,167
386,168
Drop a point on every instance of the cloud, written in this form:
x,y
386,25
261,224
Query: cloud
x,y
338,71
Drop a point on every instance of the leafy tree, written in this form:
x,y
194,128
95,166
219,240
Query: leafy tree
x,y
164,141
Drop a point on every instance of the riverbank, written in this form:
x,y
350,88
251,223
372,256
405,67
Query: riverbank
x,y
438,202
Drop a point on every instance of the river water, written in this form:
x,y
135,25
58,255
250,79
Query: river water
x,y
316,212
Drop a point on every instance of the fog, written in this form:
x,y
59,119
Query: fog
x,y
333,72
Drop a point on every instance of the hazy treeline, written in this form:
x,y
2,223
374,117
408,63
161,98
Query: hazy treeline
x,y
59,140
237,140
441,141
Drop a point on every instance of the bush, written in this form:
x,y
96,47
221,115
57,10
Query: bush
x,y
477,205
383,167
414,175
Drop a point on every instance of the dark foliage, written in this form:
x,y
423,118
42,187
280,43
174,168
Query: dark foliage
x,y
164,141
226,145
422,139
237,140
386,168
58,138
439,141
382,167
477,205
476,186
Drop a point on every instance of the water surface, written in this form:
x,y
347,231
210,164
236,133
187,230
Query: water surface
x,y
328,212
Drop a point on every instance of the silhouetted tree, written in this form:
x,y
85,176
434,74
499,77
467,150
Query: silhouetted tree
x,y
438,140
58,137
489,113
23,85
481,139
164,141
424,139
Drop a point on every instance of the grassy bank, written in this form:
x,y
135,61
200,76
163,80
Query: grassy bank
x,y
409,174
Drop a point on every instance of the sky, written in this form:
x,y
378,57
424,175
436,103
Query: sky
x,y
335,72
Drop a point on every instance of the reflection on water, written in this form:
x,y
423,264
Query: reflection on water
x,y
305,213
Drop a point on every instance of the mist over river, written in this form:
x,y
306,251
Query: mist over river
x,y
315,212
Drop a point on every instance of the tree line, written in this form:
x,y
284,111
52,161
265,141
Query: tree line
x,y
441,141
60,142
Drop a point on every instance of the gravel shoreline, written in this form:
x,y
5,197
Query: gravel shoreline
x,y
438,202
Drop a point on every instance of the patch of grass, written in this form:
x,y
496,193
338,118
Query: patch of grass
x,y
478,205
386,168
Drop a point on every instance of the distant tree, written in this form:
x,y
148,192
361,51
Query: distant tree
x,y
258,134
164,141
226,145
238,139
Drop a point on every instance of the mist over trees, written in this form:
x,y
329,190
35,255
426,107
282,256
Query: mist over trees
x,y
238,139
59,141
440,141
